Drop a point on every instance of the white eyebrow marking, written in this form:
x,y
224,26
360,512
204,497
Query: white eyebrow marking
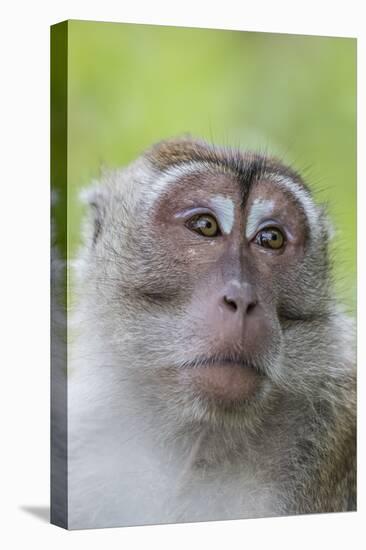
x,y
260,209
171,175
301,195
225,211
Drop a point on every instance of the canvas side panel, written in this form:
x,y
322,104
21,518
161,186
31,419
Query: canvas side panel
x,y
59,483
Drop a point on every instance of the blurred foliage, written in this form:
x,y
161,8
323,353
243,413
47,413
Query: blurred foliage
x,y
294,96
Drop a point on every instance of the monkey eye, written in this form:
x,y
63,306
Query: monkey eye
x,y
204,224
270,237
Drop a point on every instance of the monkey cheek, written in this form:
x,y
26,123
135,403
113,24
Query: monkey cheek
x,y
224,382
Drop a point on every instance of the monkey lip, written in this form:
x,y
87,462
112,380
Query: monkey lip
x,y
224,379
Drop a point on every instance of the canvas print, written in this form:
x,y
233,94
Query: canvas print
x,y
203,274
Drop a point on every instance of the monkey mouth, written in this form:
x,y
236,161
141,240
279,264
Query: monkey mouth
x,y
225,360
224,378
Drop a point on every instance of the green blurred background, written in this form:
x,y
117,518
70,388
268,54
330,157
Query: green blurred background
x,y
294,96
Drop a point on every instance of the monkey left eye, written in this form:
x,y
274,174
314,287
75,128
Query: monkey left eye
x,y
270,237
204,224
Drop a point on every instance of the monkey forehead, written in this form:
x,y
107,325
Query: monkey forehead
x,y
170,160
197,186
193,175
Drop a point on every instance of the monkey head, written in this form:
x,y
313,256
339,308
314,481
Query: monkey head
x,y
204,268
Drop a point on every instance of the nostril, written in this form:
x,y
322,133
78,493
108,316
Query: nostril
x,y
230,303
250,307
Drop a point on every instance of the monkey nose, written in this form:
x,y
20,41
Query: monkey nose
x,y
239,299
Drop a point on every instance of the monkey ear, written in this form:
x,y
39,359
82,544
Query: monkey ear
x,y
94,197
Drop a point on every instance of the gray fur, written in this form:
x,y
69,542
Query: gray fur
x,y
140,451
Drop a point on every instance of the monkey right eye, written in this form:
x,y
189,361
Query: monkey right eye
x,y
204,224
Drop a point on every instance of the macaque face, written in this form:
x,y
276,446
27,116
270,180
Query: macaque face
x,y
223,263
201,269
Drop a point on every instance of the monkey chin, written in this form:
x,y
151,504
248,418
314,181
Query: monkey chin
x,y
227,382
